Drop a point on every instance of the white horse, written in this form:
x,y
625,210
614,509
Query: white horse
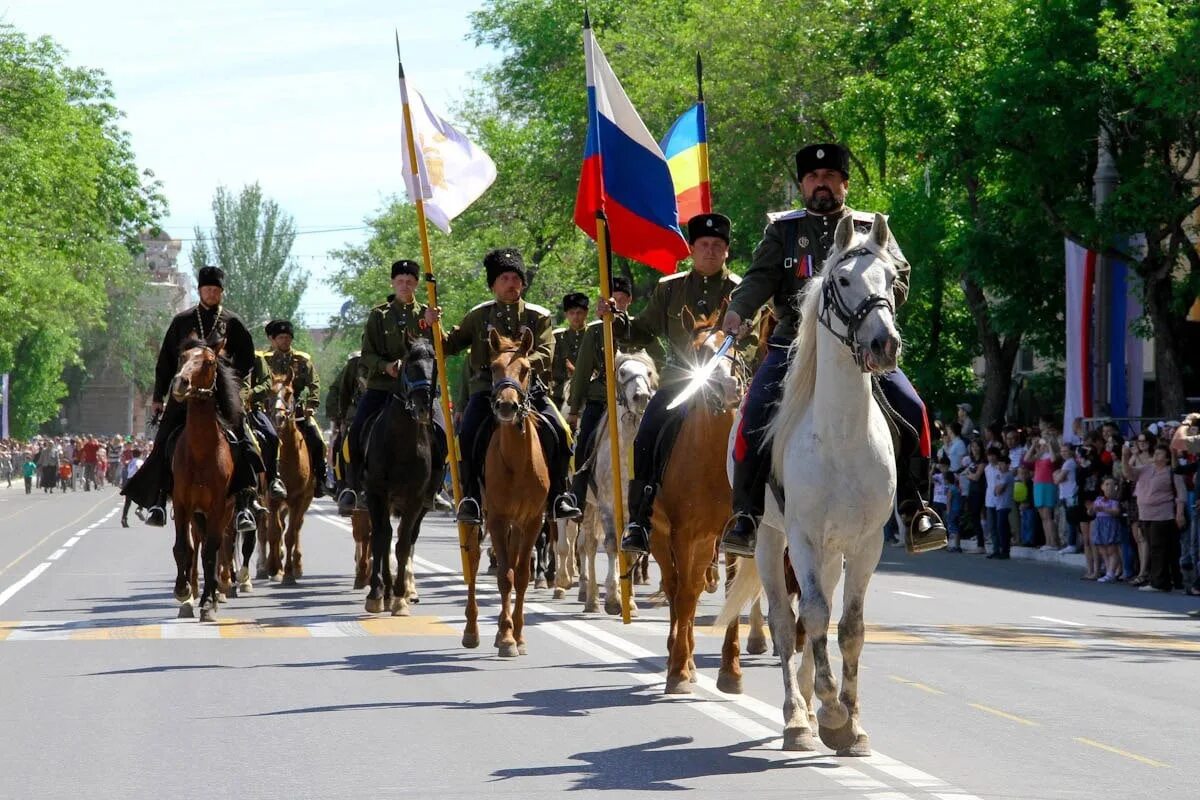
x,y
832,453
637,380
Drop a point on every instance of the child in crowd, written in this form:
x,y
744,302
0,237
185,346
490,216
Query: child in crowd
x,y
954,504
1003,491
64,474
940,481
1106,531
29,469
991,475
1023,498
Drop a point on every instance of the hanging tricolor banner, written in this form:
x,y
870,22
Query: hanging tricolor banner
x,y
625,174
686,149
1081,280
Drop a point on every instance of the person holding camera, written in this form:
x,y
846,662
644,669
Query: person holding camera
x,y
1186,445
1160,495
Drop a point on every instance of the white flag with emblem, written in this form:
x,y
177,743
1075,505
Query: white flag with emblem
x,y
454,171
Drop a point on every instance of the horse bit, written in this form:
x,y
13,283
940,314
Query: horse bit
x,y
833,303
202,394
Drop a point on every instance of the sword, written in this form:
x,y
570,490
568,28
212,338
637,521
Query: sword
x,y
701,375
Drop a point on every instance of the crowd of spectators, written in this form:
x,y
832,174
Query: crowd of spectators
x,y
69,463
1127,503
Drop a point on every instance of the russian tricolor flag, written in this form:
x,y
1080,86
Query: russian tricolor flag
x,y
686,149
625,174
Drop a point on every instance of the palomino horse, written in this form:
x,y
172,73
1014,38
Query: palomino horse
x,y
514,499
691,509
203,470
404,467
637,380
832,454
285,518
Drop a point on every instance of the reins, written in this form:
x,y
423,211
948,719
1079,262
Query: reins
x,y
832,303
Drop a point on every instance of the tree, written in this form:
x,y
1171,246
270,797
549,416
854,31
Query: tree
x,y
71,204
251,241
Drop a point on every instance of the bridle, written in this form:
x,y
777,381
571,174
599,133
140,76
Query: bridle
x,y
833,304
523,403
201,393
621,384
408,388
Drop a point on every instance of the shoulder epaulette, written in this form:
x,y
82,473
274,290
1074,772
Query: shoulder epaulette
x,y
594,323
778,216
484,304
263,353
537,308
673,277
559,331
733,276
302,354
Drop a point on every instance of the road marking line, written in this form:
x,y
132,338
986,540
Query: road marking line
x,y
1057,621
43,540
913,594
21,584
1100,745
916,685
70,542
57,554
1004,714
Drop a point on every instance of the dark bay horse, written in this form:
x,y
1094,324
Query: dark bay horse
x,y
285,517
203,470
405,460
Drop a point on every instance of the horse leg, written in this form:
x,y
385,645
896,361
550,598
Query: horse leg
x,y
470,637
249,540
818,576
381,567
209,552
607,536
797,730
260,564
400,601
683,611
539,552
275,541
506,643
589,537
297,513
291,545
521,585
361,529
565,559
756,641
729,677
851,633
184,556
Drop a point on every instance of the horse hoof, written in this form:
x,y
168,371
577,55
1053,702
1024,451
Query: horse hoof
x,y
232,592
288,580
360,583
246,587
508,650
276,577
582,598
470,639
559,593
374,605
860,749
756,645
522,650
612,607
540,583
633,610
221,598
838,739
400,608
208,615
591,608
799,740
680,686
184,596
261,574
243,575
186,611
729,683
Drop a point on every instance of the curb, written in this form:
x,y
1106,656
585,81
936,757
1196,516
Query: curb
x,y
1071,560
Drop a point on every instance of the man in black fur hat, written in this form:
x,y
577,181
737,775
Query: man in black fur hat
x,y
210,323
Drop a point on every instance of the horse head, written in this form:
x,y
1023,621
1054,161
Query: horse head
x,y
196,378
511,374
856,304
417,378
637,380
726,385
283,405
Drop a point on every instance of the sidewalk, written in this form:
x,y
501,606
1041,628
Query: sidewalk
x,y
1072,560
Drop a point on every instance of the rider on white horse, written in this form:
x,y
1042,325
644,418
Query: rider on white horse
x,y
794,246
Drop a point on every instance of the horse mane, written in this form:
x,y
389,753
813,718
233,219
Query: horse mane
x,y
228,389
801,379
420,349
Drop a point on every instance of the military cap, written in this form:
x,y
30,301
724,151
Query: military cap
x,y
277,327
211,276
823,156
575,300
406,267
498,262
620,283
708,225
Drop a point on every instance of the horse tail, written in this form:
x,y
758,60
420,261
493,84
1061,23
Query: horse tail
x,y
744,590
801,380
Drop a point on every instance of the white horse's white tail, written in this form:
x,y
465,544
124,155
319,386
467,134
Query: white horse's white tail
x,y
745,589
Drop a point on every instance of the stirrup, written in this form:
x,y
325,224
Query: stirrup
x,y
923,530
468,512
740,535
346,502
277,490
156,517
244,521
565,507
636,540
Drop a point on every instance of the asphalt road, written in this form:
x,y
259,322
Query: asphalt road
x,y
980,679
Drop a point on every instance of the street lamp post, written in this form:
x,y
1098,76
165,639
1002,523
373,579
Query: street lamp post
x,y
1104,183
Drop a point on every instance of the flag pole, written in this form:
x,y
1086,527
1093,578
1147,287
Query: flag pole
x,y
614,443
705,181
464,531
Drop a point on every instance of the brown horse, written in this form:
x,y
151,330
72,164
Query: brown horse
x,y
203,470
514,500
285,561
687,522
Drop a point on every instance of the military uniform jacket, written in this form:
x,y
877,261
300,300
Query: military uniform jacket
x,y
794,246
588,382
218,323
507,319
386,338
352,382
306,385
566,349
663,315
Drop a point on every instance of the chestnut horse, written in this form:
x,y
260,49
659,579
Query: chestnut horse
x,y
285,518
514,498
692,507
203,471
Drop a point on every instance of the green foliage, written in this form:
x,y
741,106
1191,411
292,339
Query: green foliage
x,y
252,241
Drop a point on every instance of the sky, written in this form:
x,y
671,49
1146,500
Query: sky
x,y
300,96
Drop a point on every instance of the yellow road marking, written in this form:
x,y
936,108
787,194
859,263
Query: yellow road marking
x,y
251,629
1101,746
916,685
42,541
406,626
117,632
6,628
1004,714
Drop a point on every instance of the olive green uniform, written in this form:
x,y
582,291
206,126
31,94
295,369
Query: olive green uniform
x,y
566,360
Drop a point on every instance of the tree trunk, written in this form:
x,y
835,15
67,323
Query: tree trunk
x,y
999,355
1167,367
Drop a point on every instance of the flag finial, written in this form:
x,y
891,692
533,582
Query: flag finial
x,y
699,79
399,63
587,19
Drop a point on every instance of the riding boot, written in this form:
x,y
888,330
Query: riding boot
x,y
923,528
749,487
244,520
579,485
157,515
641,507
316,455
